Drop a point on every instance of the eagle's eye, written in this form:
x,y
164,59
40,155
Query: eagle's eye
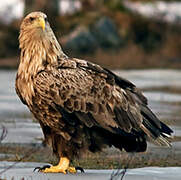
x,y
32,18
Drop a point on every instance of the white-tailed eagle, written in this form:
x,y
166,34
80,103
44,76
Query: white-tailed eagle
x,y
80,105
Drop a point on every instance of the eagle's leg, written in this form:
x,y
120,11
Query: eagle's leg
x,y
62,167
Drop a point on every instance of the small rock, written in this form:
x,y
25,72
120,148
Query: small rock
x,y
80,40
105,32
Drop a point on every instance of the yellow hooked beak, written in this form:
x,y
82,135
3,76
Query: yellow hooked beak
x,y
42,23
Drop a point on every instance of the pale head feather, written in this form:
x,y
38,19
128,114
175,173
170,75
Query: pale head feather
x,y
39,47
34,39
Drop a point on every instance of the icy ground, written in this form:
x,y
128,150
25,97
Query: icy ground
x,y
25,171
160,10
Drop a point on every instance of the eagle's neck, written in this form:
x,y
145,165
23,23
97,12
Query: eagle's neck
x,y
38,51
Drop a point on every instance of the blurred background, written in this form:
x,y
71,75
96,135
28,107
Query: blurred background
x,y
139,39
114,33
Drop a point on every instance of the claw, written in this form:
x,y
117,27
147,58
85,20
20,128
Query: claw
x,y
80,169
41,168
36,169
48,166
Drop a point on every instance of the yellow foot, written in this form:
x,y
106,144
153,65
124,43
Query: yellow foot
x,y
54,169
62,167
58,169
72,170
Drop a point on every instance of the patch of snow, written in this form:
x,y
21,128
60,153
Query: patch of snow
x,y
69,6
165,11
163,97
14,9
24,170
152,77
11,10
23,133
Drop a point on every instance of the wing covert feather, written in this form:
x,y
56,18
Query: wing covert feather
x,y
84,91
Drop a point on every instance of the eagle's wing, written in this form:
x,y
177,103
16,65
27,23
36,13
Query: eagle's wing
x,y
97,97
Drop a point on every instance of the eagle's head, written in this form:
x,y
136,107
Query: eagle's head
x,y
35,27
38,44
37,38
35,21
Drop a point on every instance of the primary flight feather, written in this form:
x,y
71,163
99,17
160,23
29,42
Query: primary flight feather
x,y
80,105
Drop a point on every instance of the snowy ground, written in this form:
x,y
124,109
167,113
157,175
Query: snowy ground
x,y
14,9
25,171
164,11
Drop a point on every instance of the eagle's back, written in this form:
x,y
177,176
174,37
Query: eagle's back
x,y
89,105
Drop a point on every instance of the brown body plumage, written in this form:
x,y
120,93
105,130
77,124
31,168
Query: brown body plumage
x,y
80,105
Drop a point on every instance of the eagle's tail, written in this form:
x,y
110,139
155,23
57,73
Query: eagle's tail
x,y
157,132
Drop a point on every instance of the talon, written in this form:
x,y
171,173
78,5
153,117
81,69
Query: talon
x,y
36,169
80,169
62,167
41,168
